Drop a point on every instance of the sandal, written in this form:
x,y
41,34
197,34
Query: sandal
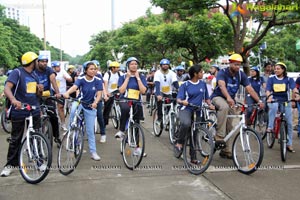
x,y
290,149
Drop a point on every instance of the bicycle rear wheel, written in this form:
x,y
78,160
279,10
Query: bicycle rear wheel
x,y
157,127
133,151
114,118
47,130
35,169
283,140
261,123
172,127
198,151
270,139
70,151
6,123
247,151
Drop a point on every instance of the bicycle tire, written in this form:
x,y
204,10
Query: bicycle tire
x,y
47,130
202,149
114,118
70,151
157,128
270,137
132,156
283,140
6,123
261,123
247,160
172,127
36,169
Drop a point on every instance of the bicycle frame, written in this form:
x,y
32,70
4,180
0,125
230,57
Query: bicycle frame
x,y
132,143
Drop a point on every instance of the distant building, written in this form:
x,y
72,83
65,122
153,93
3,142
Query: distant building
x,y
16,14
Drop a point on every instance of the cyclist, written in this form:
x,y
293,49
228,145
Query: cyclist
x,y
73,74
164,79
193,91
131,86
214,71
100,118
90,88
257,82
279,87
46,77
21,87
61,78
180,74
150,84
111,78
228,81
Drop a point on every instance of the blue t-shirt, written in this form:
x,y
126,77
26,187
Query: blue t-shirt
x,y
26,91
256,84
280,87
88,89
132,90
232,82
194,93
44,77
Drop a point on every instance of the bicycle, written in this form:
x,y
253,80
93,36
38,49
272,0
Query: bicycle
x,y
133,143
71,147
259,120
152,104
5,121
115,113
35,154
279,130
169,119
198,148
247,148
208,118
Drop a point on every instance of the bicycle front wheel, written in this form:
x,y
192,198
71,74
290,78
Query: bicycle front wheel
x,y
35,159
283,140
172,127
157,125
247,151
198,151
114,117
270,138
70,151
261,123
47,130
133,146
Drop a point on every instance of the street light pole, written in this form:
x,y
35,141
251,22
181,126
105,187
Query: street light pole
x,y
44,25
60,39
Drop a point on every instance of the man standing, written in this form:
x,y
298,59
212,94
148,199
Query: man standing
x,y
223,97
21,87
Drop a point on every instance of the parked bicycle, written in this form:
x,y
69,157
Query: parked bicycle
x,y
71,147
259,120
35,154
247,147
5,121
133,143
198,148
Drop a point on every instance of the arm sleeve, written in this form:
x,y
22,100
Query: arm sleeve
x,y
157,88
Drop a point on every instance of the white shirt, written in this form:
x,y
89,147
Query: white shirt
x,y
61,80
112,83
165,80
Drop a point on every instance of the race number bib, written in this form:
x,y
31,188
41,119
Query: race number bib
x,y
133,94
113,86
165,89
58,83
31,87
279,87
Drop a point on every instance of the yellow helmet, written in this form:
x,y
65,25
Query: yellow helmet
x,y
114,64
70,67
236,57
28,57
282,64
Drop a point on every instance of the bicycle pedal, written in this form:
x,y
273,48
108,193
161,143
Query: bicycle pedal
x,y
220,145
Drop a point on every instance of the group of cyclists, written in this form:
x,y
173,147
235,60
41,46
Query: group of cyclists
x,y
28,83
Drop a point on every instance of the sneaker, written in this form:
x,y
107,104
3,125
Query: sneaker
x,y
63,127
103,139
119,134
7,170
177,151
137,151
95,156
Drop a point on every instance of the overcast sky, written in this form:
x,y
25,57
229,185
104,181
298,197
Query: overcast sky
x,y
78,19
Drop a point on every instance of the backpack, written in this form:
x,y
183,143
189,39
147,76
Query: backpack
x,y
109,74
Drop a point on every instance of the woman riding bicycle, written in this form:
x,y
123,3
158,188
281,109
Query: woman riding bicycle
x,y
131,86
193,92
279,87
90,88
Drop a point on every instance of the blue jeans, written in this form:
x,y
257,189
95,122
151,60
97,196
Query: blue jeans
x,y
100,118
273,107
89,119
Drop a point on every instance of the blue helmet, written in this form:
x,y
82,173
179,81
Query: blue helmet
x,y
255,68
180,67
132,59
43,57
96,62
216,66
85,64
55,64
164,62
